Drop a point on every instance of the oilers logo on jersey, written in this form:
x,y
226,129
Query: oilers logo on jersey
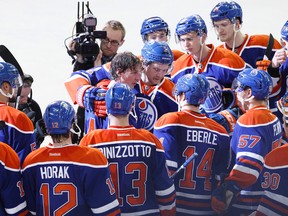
x,y
213,103
146,112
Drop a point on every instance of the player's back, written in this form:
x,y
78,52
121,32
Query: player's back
x,y
68,180
17,130
11,192
274,178
137,163
182,134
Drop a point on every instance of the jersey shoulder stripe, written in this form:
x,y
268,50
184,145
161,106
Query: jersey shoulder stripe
x,y
16,119
9,158
70,154
256,116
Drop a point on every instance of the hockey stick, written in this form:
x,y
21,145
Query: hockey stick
x,y
7,56
193,156
269,47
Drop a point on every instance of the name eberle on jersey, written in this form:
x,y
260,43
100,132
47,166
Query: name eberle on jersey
x,y
202,137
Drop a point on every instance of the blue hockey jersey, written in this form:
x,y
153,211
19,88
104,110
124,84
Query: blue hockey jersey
x,y
138,168
256,133
68,180
182,134
17,131
12,194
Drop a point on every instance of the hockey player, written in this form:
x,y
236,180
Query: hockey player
x,y
87,88
227,20
12,195
154,90
17,129
219,66
274,176
136,158
155,28
256,133
187,131
66,179
282,104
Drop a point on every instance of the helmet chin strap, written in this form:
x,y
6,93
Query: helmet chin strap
x,y
8,95
249,99
234,37
201,53
78,132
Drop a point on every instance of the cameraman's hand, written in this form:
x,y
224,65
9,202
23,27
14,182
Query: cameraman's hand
x,y
79,57
72,46
97,61
94,101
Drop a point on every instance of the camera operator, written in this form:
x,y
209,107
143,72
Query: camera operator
x,y
108,47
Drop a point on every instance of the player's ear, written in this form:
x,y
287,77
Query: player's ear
x,y
237,24
5,87
249,92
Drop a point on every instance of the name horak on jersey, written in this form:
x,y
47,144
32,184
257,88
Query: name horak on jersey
x,y
54,172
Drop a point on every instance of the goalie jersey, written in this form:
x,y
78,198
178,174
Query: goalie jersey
x,y
68,180
138,168
274,177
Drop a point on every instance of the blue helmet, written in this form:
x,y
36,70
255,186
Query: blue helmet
x,y
10,74
226,10
189,24
259,81
58,117
284,32
119,99
195,86
154,51
153,24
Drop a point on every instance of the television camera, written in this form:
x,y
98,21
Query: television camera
x,y
85,38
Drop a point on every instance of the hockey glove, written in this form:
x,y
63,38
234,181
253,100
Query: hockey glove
x,y
94,101
231,116
263,64
224,196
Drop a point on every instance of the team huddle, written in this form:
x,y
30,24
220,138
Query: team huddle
x,y
198,132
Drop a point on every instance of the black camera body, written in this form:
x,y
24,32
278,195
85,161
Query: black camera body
x,y
86,35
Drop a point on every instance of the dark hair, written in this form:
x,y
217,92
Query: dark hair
x,y
27,80
123,61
